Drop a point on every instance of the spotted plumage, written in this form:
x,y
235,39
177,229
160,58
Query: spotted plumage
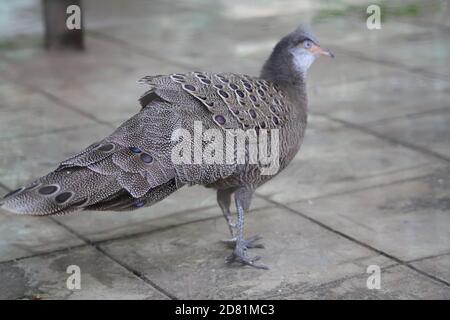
x,y
234,100
133,168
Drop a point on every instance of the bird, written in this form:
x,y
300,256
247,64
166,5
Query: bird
x,y
134,167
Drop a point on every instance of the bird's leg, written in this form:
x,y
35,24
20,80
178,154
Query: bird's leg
x,y
243,199
224,201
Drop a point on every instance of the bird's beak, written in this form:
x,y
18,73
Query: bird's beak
x,y
321,51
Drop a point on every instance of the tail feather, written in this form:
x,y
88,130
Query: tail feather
x,y
61,191
123,201
69,190
126,170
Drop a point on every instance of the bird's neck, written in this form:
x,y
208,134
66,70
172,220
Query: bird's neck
x,y
283,73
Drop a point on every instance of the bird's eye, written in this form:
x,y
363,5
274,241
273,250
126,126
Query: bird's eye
x,y
307,44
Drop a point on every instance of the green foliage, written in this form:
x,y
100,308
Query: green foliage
x,y
388,9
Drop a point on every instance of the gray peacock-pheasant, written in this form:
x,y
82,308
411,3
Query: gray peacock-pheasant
x,y
134,167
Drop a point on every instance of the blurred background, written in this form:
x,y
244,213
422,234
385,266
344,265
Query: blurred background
x,y
370,186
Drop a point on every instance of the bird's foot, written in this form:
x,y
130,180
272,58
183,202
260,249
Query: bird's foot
x,y
248,243
239,255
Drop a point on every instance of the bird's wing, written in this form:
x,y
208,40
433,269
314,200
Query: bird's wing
x,y
222,101
235,101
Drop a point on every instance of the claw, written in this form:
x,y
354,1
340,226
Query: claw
x,y
240,256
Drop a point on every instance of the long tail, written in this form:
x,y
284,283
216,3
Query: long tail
x,y
60,192
65,191
127,170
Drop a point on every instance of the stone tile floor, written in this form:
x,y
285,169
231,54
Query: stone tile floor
x,y
371,185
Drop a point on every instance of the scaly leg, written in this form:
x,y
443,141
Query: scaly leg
x,y
243,198
224,201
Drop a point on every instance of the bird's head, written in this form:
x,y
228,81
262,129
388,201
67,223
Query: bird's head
x,y
303,47
293,55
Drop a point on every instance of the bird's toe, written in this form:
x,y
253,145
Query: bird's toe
x,y
249,243
239,255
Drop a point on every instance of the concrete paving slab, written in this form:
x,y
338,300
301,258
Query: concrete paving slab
x,y
348,30
408,220
438,267
23,159
397,283
189,261
108,13
100,82
27,236
341,160
428,131
46,277
425,52
244,44
38,114
384,96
